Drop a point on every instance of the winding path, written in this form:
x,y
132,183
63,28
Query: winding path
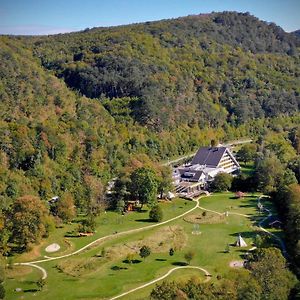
x,y
44,272
207,274
282,245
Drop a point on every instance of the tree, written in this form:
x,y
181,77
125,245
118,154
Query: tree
x,y
29,220
156,214
164,291
222,182
144,186
41,283
120,206
258,241
130,258
88,224
189,256
171,252
2,291
268,267
248,289
288,178
247,153
268,173
145,251
2,277
94,195
165,182
4,234
65,207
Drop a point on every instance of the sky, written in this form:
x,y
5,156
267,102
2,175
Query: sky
x,y
27,17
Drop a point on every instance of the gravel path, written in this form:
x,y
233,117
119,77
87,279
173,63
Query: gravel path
x,y
44,272
207,274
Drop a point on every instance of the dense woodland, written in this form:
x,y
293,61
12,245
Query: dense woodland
x,y
78,109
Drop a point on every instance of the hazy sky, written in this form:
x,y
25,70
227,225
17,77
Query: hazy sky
x,y
58,16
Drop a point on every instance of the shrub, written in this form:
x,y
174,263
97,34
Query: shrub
x,y
156,214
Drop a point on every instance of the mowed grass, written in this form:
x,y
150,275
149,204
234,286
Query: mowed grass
x,y
247,169
104,278
107,223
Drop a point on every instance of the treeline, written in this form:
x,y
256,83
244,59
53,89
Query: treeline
x,y
288,203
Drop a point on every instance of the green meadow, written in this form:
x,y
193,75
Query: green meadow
x,y
113,266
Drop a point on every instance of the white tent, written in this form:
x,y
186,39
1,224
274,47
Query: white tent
x,y
240,242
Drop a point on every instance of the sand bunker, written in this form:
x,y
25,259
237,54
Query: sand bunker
x,y
237,264
52,248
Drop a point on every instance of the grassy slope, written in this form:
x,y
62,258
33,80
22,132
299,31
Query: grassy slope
x,y
101,281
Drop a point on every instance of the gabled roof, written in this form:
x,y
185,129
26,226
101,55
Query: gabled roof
x,y
209,156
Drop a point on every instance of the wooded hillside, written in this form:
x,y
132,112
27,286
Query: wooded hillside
x,y
76,107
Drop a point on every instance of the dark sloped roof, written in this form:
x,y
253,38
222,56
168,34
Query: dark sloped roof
x,y
209,156
192,175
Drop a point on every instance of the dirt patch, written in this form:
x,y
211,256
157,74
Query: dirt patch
x,y
205,217
18,271
33,254
237,264
79,266
161,241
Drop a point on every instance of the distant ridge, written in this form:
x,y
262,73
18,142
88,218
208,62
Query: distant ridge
x,y
296,33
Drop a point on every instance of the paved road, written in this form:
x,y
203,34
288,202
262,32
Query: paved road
x,y
228,144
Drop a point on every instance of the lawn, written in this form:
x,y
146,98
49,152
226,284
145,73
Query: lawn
x,y
94,275
107,223
247,169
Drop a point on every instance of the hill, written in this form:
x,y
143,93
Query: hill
x,y
205,69
77,107
296,33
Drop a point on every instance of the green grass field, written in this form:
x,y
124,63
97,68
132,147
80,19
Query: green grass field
x,y
92,275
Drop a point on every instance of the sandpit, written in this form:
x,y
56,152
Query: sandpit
x,y
52,248
237,264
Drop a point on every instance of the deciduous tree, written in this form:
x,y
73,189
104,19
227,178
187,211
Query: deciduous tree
x,y
145,251
29,220
222,182
144,186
